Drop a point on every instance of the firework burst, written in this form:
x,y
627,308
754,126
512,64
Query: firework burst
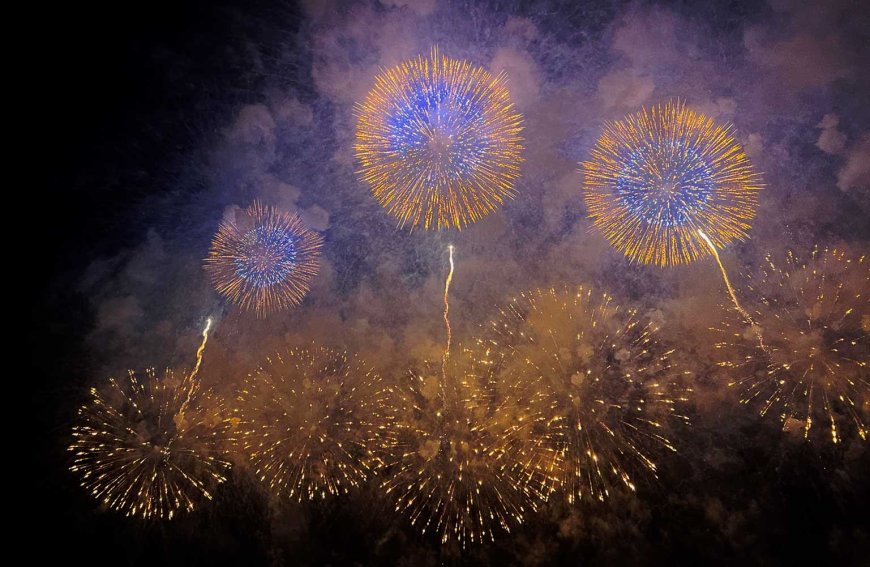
x,y
148,446
438,142
656,178
600,374
468,464
313,422
812,370
264,260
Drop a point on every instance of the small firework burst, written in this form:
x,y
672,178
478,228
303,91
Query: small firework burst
x,y
313,422
812,368
601,376
657,177
264,260
438,142
148,446
467,464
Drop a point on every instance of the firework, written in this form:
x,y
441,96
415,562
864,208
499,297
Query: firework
x,y
468,464
313,422
265,260
149,445
438,142
447,282
607,384
812,369
657,178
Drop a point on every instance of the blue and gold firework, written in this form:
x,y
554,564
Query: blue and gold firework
x,y
264,260
656,178
438,142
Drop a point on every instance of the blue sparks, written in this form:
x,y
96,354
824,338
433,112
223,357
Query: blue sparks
x,y
666,184
445,131
269,256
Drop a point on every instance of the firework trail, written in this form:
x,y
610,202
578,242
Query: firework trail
x,y
731,292
447,312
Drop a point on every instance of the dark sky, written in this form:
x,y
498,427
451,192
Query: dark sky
x,y
157,119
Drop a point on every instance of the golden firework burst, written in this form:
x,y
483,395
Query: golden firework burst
x,y
313,422
149,445
468,464
598,371
811,370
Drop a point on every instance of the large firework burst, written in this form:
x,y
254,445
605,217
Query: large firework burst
x,y
264,260
657,177
148,445
811,370
468,464
438,142
313,422
606,383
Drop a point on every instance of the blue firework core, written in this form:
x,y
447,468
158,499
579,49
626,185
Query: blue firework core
x,y
666,183
267,256
443,132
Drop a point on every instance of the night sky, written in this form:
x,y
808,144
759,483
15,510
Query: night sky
x,y
159,120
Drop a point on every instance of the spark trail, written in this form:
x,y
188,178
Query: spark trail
x,y
447,313
190,377
201,349
731,292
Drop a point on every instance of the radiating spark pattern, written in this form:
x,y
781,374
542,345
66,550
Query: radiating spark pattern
x,y
657,177
313,422
264,260
607,384
148,446
815,317
438,142
468,465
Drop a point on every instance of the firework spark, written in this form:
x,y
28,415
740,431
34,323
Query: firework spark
x,y
814,368
264,260
438,142
468,464
731,293
657,178
313,422
447,311
149,445
601,375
